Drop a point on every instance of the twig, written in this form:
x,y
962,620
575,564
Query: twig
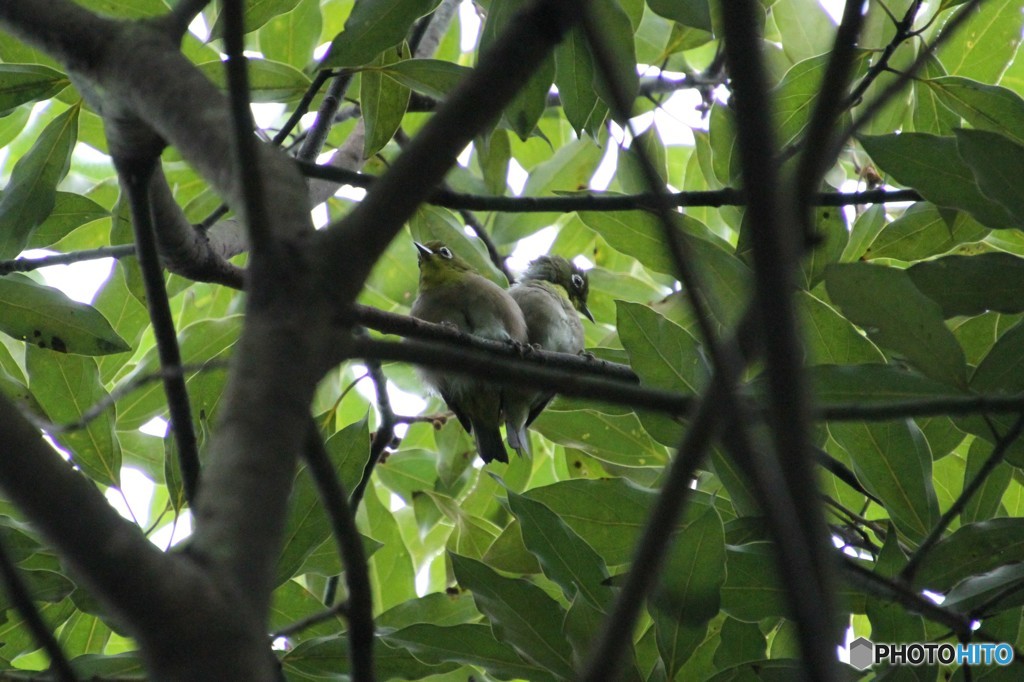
x,y
602,202
903,31
994,459
22,602
871,110
890,590
350,546
316,136
385,431
339,609
136,175
29,264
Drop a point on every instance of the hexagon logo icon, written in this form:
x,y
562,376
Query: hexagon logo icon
x,y
862,653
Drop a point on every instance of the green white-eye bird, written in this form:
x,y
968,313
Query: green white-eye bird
x,y
550,293
452,292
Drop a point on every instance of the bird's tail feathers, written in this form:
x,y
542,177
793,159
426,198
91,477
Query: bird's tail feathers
x,y
489,444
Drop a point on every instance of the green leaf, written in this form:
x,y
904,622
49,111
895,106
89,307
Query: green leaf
x,y
383,101
869,383
806,29
291,37
431,77
829,338
892,461
615,28
663,354
438,608
521,614
984,504
70,211
997,27
984,106
890,622
690,586
616,439
563,555
922,231
797,93
609,514
931,113
199,342
30,195
44,317
898,316
268,81
67,386
997,163
392,573
931,165
256,13
972,285
373,26
574,77
468,643
693,13
568,170
21,83
972,549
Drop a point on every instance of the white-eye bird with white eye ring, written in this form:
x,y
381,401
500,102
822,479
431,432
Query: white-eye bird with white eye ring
x,y
552,293
451,292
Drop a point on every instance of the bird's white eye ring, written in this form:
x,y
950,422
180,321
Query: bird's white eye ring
x,y
577,281
445,252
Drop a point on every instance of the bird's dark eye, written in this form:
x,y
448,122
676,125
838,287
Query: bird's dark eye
x,y
445,252
577,282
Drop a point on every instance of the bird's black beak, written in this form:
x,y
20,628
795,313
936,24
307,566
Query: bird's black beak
x,y
586,311
424,251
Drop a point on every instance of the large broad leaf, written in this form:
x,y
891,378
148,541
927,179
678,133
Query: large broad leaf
x,y
69,212
692,13
1001,372
998,165
890,622
972,285
291,37
805,27
256,13
922,231
984,106
199,342
469,644
568,170
29,196
308,526
564,556
383,102
526,108
998,28
374,25
984,504
896,315
609,514
327,658
691,583
521,614
67,386
892,461
432,77
574,78
614,438
21,83
268,81
797,93
868,383
663,354
931,165
829,338
44,317
972,549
